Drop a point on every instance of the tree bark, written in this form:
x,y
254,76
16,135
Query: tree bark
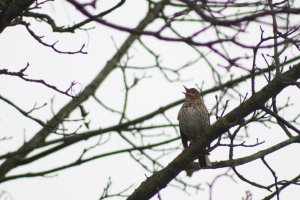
x,y
160,179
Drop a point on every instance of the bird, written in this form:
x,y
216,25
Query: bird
x,y
193,120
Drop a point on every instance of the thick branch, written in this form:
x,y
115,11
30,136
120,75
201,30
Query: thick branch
x,y
85,135
160,179
40,137
11,10
241,161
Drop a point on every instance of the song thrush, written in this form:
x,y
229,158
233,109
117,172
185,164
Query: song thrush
x,y
193,120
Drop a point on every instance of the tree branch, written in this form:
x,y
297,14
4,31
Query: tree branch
x,y
53,123
159,180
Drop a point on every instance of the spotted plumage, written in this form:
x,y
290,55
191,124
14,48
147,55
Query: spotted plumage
x,y
193,120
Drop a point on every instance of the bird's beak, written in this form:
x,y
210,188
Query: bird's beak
x,y
186,90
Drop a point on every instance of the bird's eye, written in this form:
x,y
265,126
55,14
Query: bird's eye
x,y
193,91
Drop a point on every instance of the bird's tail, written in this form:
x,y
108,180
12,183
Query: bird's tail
x,y
204,160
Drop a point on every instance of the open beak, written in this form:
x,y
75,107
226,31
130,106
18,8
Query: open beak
x,y
186,90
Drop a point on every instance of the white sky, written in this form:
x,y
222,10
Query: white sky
x,y
87,181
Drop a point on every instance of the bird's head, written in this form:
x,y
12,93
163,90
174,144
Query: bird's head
x,y
191,93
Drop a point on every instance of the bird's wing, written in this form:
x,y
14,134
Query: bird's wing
x,y
184,139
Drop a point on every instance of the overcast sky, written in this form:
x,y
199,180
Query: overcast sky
x,y
87,181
